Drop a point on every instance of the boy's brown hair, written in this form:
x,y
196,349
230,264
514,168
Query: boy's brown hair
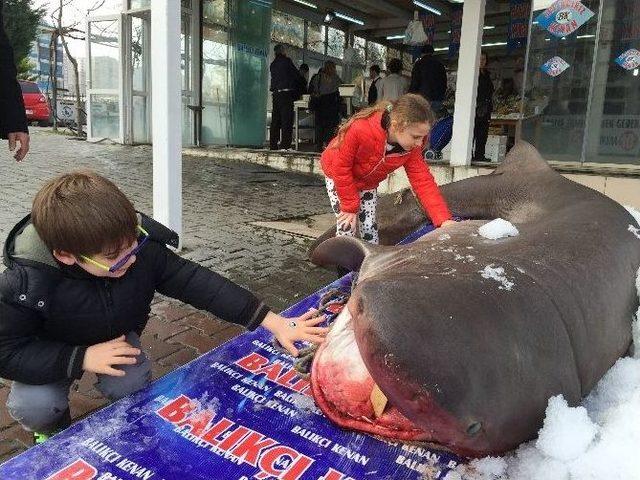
x,y
83,213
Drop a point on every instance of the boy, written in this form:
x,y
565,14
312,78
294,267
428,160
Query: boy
x,y
82,271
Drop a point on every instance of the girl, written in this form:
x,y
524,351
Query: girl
x,y
370,145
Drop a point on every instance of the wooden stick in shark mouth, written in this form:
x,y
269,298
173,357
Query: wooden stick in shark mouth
x,y
469,337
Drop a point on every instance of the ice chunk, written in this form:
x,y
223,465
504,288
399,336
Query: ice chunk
x,y
498,228
489,468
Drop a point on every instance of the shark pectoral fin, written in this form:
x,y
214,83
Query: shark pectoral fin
x,y
347,252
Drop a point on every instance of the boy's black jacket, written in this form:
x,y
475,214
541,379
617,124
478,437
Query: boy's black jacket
x,y
51,313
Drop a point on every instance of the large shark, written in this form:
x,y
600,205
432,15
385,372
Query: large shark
x,y
460,340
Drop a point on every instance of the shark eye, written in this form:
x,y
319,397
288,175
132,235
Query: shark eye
x,y
474,428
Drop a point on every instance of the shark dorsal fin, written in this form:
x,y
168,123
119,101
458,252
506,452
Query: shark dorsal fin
x,y
522,158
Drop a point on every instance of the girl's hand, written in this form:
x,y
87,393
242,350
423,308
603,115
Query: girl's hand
x,y
347,221
289,330
448,222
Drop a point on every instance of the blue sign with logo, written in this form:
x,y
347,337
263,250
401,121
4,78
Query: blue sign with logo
x,y
239,412
564,17
554,66
629,60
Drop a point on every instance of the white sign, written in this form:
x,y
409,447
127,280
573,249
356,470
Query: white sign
x,y
620,135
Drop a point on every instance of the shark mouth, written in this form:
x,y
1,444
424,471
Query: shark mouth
x,y
345,391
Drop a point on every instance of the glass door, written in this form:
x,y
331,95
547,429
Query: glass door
x,y
104,78
137,80
186,66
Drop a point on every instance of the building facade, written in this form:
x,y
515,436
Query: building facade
x,y
586,113
40,58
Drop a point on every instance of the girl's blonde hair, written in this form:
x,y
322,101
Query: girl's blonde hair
x,y
409,108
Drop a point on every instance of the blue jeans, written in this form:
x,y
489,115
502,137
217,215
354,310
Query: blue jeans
x,y
43,408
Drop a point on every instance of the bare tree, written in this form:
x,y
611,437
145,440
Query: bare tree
x,y
64,33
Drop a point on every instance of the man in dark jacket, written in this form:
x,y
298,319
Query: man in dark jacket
x,y
13,119
429,78
77,292
484,108
285,86
374,74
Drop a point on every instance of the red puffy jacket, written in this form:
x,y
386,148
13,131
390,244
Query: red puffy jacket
x,y
361,163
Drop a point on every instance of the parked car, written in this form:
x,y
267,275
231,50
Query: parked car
x,y
35,103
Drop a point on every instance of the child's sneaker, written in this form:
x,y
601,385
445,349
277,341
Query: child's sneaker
x,y
39,438
64,422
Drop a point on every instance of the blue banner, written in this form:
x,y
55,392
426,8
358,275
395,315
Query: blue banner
x,y
429,24
239,412
564,17
519,11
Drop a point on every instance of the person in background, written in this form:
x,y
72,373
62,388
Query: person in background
x,y
518,75
507,88
374,75
285,82
353,166
394,85
327,111
484,107
13,118
429,78
304,80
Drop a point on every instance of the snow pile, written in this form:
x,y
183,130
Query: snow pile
x,y
498,228
595,441
497,273
598,440
636,215
635,326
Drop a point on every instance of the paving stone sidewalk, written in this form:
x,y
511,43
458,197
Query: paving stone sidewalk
x,y
221,200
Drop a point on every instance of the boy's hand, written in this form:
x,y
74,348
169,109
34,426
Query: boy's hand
x,y
447,223
101,357
289,330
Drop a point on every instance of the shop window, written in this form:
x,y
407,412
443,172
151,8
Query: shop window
x,y
558,80
614,111
360,46
287,29
138,4
376,55
315,37
407,63
335,42
213,11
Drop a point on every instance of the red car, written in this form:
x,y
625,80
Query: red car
x,y
35,103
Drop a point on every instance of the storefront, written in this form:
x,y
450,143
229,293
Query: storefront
x,y
582,93
566,71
